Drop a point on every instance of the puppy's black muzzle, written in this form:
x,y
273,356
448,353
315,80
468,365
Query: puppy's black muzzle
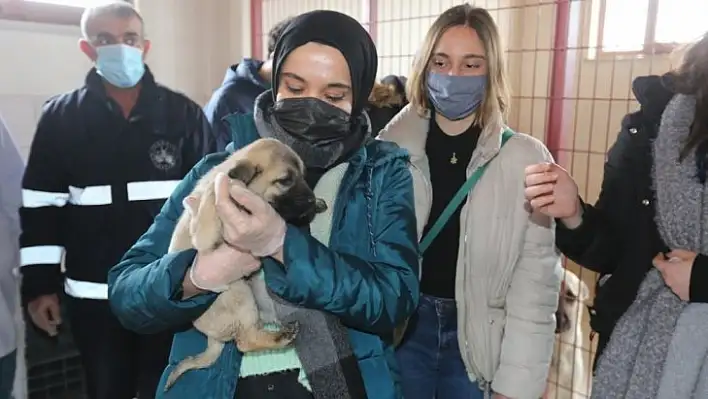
x,y
299,206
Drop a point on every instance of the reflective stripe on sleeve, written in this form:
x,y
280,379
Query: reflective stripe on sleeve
x,y
41,255
39,199
85,289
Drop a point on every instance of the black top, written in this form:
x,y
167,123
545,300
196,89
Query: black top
x,y
449,157
95,180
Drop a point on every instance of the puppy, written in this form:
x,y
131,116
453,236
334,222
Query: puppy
x,y
568,377
272,170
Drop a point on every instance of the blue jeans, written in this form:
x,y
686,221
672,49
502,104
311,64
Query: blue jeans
x,y
8,363
429,356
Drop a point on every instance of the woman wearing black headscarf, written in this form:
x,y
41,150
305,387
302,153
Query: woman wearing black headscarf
x,y
349,292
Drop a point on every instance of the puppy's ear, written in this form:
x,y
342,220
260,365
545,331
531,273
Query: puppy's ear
x,y
244,171
205,225
191,204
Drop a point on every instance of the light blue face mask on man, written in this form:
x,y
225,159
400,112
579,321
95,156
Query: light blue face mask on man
x,y
121,65
456,97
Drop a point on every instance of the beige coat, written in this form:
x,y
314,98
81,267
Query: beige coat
x,y
508,271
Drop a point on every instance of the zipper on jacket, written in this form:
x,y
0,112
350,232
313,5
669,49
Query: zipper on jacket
x,y
484,385
481,382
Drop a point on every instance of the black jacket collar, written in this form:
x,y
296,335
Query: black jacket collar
x,y
653,94
151,102
94,82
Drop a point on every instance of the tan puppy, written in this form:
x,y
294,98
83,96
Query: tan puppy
x,y
273,171
569,376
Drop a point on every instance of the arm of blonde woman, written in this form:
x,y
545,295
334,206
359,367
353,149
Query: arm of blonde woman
x,y
531,303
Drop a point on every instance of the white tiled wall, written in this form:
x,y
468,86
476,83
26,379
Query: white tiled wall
x,y
40,60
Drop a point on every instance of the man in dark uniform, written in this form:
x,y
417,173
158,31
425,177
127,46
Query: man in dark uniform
x,y
103,160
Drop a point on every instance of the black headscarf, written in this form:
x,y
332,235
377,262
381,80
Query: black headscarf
x,y
336,30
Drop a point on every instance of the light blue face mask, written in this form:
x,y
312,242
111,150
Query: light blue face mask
x,y
456,97
121,65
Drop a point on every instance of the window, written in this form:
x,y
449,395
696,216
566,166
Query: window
x,y
73,3
648,26
63,12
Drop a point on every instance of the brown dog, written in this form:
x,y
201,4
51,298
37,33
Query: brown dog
x,y
272,170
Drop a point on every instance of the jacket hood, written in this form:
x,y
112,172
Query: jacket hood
x,y
247,71
653,92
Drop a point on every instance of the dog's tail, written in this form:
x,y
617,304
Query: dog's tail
x,y
200,361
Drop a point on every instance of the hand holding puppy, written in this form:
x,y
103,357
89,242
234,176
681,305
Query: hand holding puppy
x,y
215,270
255,226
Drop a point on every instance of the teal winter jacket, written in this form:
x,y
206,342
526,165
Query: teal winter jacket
x,y
367,276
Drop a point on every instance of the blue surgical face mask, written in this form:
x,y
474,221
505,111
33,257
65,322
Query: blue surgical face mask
x,y
121,65
456,97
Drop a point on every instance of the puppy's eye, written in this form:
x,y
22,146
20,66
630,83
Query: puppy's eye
x,y
285,181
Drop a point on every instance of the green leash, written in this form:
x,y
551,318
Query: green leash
x,y
459,197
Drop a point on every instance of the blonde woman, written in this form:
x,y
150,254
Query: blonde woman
x,y
490,272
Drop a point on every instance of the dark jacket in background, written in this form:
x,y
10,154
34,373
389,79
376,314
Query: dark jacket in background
x,y
237,94
94,183
386,100
95,180
619,236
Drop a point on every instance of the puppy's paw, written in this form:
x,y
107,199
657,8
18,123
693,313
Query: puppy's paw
x,y
288,332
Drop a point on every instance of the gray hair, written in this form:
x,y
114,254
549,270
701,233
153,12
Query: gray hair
x,y
118,9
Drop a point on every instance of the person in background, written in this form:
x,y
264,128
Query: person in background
x,y
490,273
348,291
11,169
646,237
398,82
103,160
386,100
242,84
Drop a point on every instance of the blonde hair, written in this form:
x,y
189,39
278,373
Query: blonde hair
x,y
495,104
